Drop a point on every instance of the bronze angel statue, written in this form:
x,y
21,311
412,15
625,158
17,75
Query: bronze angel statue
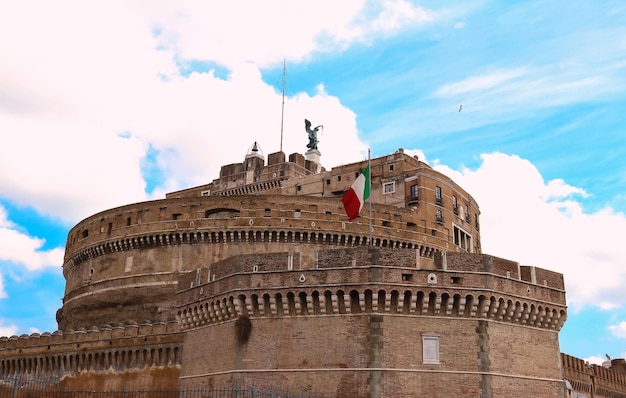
x,y
312,134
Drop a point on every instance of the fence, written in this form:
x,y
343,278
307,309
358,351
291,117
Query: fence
x,y
49,388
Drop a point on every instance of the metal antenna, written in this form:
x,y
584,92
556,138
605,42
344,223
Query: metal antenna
x,y
282,114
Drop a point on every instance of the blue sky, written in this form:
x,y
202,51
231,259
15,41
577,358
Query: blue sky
x,y
113,103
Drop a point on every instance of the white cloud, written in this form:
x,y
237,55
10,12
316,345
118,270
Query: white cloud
x,y
618,330
3,293
534,222
19,248
83,102
596,360
264,33
7,331
479,83
399,13
521,91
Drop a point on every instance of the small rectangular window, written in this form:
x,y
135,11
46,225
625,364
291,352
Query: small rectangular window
x,y
389,187
327,181
338,178
176,216
430,349
414,192
438,197
439,216
390,167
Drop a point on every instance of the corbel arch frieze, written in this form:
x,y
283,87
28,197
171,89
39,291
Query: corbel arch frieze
x,y
363,300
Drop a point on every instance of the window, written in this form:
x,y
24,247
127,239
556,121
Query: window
x,y
467,214
298,188
439,216
390,167
268,213
205,193
328,181
462,239
339,178
389,187
430,349
438,197
414,195
296,214
176,216
455,206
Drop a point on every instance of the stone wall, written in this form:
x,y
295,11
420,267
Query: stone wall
x,y
123,356
357,329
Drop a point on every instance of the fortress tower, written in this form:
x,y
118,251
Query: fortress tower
x,y
136,253
258,278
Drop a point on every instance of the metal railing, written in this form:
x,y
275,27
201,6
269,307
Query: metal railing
x,y
50,388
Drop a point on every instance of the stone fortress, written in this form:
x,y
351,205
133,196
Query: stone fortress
x,y
258,278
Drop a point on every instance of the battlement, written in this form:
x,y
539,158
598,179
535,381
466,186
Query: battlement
x,y
469,262
93,334
585,377
394,281
98,349
450,262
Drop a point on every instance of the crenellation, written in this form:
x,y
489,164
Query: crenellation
x,y
60,355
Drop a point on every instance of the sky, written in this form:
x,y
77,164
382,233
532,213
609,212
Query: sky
x,y
522,103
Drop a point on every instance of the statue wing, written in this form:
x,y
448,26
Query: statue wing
x,y
307,124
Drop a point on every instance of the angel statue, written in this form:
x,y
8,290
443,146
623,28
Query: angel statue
x,y
312,134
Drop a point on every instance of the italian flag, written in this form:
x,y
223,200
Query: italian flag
x,y
358,193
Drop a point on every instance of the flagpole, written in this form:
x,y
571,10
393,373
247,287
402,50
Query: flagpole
x,y
369,164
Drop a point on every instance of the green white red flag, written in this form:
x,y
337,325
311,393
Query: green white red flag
x,y
358,193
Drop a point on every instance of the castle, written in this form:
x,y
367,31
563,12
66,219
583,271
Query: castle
x,y
258,278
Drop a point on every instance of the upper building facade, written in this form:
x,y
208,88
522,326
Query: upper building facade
x,y
136,253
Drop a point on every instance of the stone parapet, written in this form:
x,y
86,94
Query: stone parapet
x,y
264,286
103,349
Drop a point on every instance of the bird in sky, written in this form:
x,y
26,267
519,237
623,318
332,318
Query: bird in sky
x,y
461,108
